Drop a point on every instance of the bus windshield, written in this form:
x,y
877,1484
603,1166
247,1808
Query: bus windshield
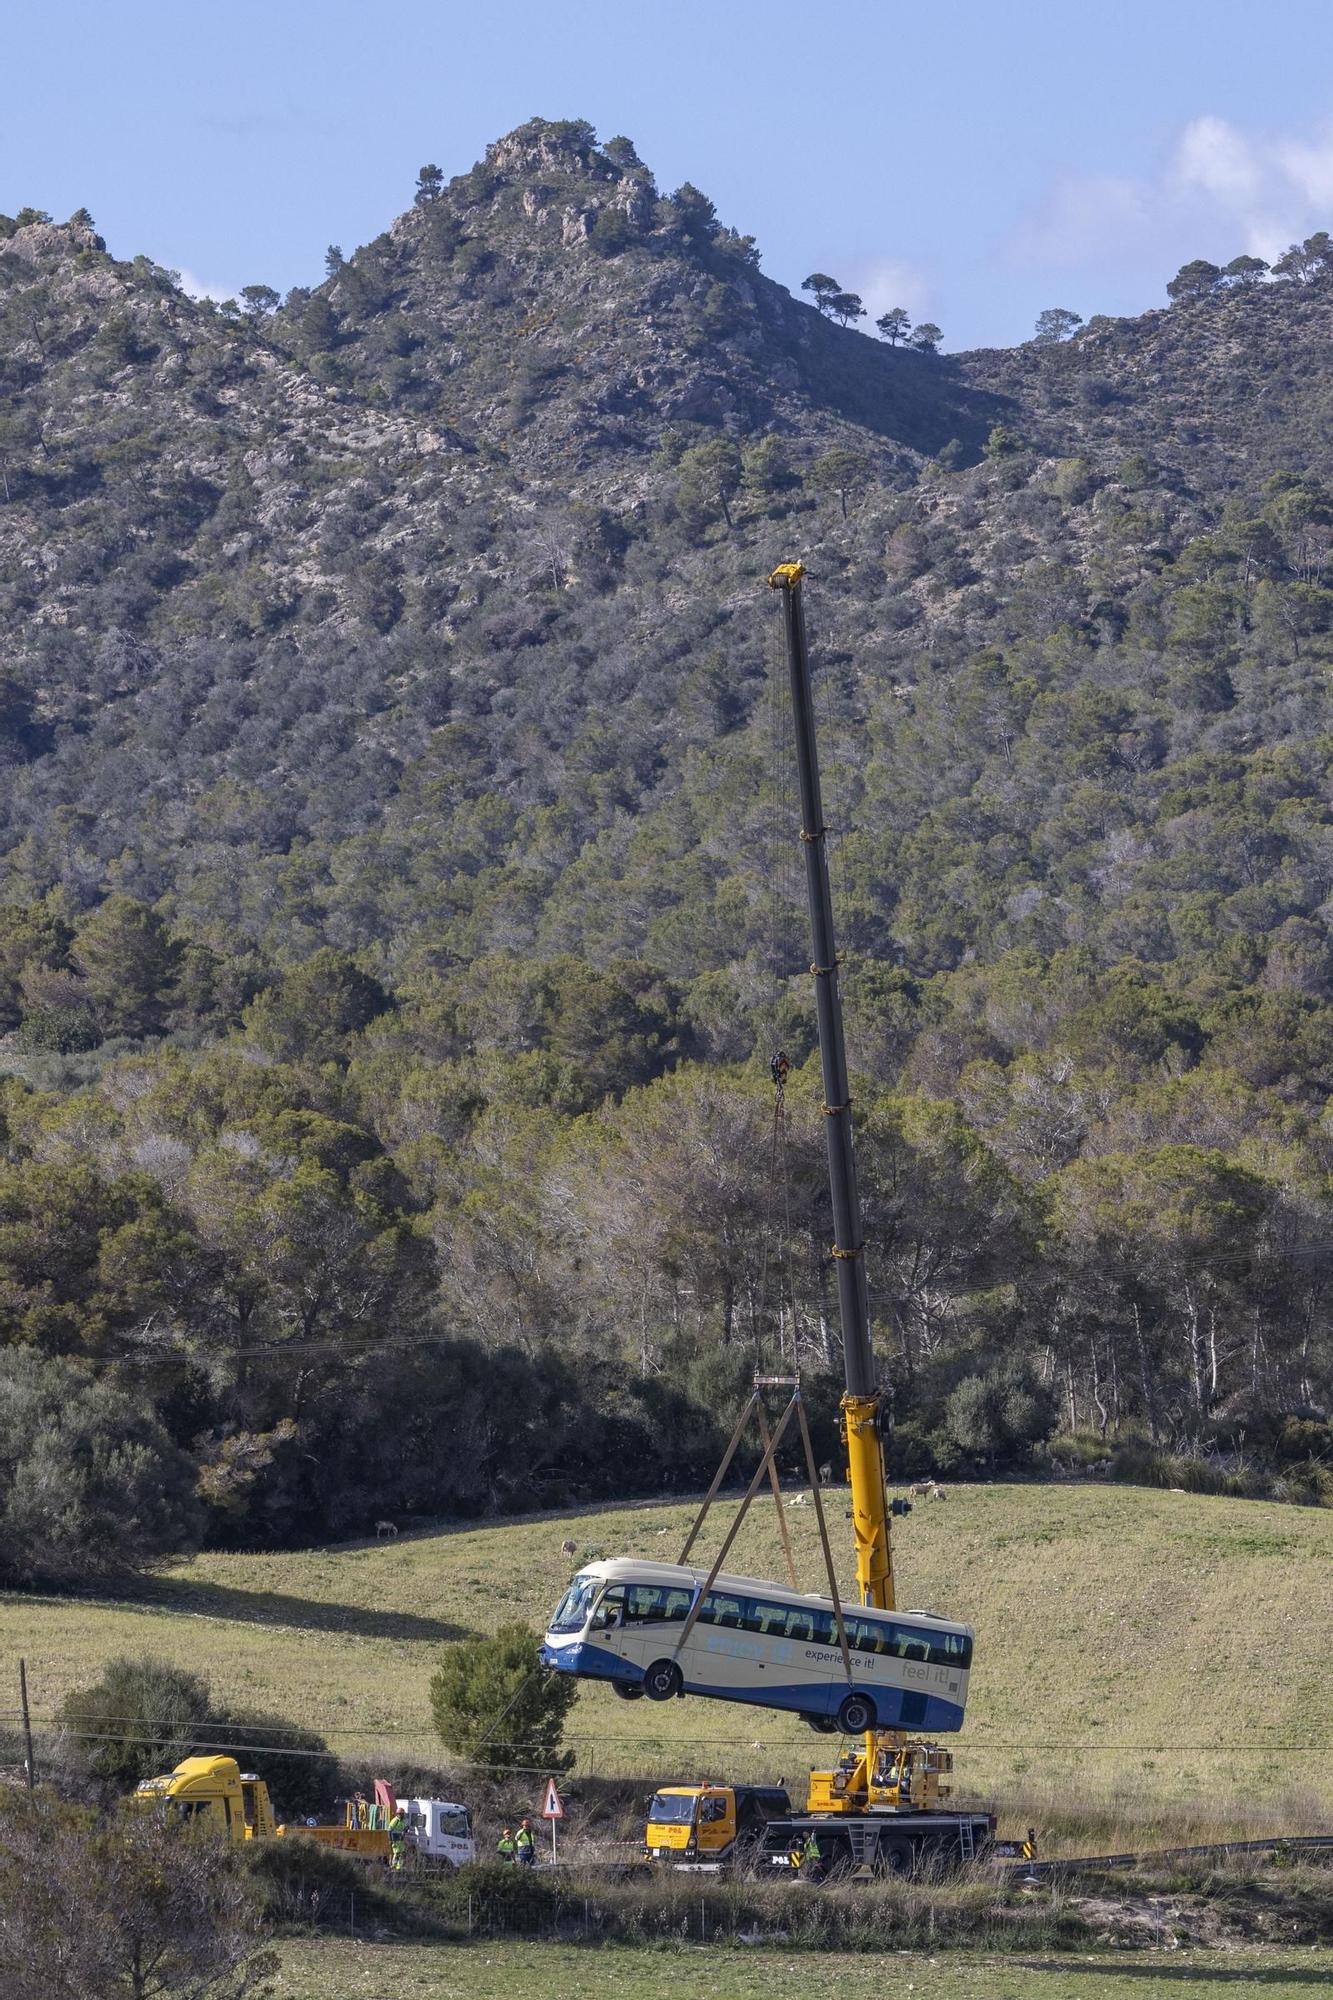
x,y
673,1806
572,1611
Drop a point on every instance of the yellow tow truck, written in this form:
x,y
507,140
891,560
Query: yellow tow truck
x,y
215,1793
710,1827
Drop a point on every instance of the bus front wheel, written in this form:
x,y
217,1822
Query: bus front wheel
x,y
662,1680
856,1715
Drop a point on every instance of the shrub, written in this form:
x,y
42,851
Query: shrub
x,y
493,1702
141,1718
134,1907
90,1484
145,1715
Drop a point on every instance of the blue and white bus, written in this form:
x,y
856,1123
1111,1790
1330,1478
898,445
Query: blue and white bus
x,y
620,1621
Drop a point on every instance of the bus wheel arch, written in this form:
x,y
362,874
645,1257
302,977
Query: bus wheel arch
x,y
662,1680
856,1714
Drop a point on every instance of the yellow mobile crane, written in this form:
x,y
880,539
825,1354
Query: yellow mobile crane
x,y
882,1804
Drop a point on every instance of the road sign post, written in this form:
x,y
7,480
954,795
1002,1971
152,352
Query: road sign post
x,y
552,1810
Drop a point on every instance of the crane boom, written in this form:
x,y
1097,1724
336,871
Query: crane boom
x,y
861,1404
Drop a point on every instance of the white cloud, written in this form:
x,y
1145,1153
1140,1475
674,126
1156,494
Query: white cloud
x,y
1081,216
1215,157
1310,168
886,282
1216,191
199,288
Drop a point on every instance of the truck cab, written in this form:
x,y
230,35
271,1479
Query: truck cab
x,y
212,1792
440,1832
708,1827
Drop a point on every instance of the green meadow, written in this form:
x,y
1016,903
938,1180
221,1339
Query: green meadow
x,y
1148,1664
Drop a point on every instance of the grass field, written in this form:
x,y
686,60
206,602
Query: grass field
x,y
347,1971
1167,1655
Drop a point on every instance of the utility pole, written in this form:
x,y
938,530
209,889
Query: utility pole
x,y
27,1724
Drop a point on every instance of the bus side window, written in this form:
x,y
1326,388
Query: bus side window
x,y
800,1625
642,1603
609,1611
824,1628
727,1611
862,1635
677,1606
768,1620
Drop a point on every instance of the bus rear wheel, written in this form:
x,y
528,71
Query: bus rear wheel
x,y
629,1690
856,1715
662,1680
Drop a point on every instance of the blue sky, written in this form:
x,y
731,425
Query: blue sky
x,y
973,160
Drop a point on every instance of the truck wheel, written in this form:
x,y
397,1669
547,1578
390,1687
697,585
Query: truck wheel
x,y
895,1857
856,1715
629,1690
662,1680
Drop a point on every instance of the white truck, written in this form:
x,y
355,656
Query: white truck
x,y
440,1831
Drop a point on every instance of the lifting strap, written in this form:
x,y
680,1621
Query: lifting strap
x,y
692,1617
777,1492
812,1470
767,1466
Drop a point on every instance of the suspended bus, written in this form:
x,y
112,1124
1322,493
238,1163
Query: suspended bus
x,y
755,1642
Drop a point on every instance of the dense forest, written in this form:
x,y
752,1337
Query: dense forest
x,y
399,893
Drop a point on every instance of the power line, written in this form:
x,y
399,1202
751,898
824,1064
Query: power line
x,y
1248,1748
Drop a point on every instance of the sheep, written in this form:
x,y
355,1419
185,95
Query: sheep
x,y
569,1548
826,1474
386,1531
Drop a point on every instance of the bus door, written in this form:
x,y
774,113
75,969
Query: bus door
x,y
606,1627
650,1617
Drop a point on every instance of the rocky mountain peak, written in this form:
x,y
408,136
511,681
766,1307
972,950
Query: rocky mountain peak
x,y
564,146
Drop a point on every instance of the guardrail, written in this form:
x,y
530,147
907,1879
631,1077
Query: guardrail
x,y
1038,1871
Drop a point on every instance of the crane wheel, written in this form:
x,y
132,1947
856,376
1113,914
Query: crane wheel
x,y
856,1715
894,1857
629,1690
662,1680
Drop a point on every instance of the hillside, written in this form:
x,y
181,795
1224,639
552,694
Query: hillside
x,y
317,619
1155,1652
400,903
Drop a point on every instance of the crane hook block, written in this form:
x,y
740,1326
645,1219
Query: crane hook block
x,y
787,576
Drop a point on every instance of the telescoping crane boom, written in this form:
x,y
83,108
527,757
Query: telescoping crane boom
x,y
657,1630
890,1771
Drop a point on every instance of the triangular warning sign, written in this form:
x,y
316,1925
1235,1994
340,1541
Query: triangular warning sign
x,y
552,1808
